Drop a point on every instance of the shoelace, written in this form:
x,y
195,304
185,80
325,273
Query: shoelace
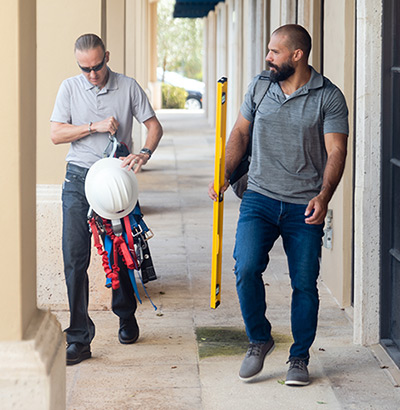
x,y
254,350
297,364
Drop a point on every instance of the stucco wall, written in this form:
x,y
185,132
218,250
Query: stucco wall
x,y
339,60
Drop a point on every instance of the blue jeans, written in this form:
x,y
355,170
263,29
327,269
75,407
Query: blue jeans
x,y
262,220
76,244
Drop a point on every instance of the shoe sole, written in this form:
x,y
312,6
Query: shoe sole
x,y
127,342
246,379
296,383
85,356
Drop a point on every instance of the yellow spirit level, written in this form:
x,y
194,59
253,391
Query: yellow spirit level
x,y
219,181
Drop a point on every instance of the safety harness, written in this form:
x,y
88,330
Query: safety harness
x,y
126,237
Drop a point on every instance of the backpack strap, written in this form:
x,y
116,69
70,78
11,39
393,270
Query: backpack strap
x,y
260,89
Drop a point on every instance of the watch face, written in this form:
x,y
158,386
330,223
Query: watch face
x,y
146,151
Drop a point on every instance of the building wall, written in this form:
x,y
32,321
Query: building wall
x,y
338,63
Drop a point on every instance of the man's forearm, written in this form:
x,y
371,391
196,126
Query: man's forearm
x,y
154,134
333,173
235,149
64,133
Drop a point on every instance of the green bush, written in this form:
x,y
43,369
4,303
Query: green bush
x,y
173,97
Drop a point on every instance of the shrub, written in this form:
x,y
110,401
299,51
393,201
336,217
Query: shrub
x,y
173,97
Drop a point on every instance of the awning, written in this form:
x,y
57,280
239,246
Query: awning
x,y
194,8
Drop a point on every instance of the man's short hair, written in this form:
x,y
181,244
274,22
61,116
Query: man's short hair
x,y
89,42
298,37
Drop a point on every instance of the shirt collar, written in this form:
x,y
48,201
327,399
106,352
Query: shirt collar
x,y
112,82
316,80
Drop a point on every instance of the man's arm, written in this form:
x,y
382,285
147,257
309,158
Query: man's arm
x,y
336,147
62,133
154,134
235,149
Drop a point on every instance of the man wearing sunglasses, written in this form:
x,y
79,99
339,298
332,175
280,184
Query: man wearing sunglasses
x,y
88,108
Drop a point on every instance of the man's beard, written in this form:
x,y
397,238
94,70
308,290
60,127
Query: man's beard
x,y
282,73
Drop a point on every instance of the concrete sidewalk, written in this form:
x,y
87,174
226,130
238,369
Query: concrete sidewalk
x,y
177,362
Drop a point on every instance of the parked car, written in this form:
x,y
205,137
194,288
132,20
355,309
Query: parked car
x,y
194,88
194,100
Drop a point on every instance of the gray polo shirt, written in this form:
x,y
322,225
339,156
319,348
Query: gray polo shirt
x,y
288,151
78,102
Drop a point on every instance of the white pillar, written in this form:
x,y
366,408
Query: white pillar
x,y
368,173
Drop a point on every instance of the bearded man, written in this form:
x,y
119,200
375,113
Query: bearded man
x,y
299,147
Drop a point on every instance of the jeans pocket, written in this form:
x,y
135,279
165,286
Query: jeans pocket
x,y
73,183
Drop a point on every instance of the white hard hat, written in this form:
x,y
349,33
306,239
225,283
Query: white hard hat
x,y
112,191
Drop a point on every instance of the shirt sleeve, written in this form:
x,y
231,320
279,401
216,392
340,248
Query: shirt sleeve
x,y
62,106
247,105
335,112
141,107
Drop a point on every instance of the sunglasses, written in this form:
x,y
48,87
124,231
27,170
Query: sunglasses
x,y
97,67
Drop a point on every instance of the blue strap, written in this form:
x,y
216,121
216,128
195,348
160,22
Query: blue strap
x,y
108,245
133,281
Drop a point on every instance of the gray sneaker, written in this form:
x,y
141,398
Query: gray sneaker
x,y
254,359
297,374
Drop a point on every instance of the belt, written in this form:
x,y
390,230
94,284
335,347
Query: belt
x,y
76,169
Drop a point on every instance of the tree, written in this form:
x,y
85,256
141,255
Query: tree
x,y
180,42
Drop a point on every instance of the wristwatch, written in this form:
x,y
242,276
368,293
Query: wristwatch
x,y
90,127
146,151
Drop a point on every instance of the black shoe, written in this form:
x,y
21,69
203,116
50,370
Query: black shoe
x,y
128,331
76,352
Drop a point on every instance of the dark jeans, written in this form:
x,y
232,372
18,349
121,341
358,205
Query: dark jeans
x,y
76,244
262,220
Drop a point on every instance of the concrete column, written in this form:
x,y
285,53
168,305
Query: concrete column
x,y
339,38
136,55
275,14
154,85
32,346
210,56
235,60
221,28
55,46
115,22
367,173
309,16
288,12
256,26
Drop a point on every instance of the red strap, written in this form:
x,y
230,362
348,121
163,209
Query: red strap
x,y
110,273
131,245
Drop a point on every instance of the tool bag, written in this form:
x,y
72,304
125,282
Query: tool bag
x,y
238,179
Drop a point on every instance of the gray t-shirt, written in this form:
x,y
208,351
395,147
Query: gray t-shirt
x,y
288,148
79,102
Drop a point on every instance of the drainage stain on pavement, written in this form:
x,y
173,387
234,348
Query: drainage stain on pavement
x,y
218,341
228,341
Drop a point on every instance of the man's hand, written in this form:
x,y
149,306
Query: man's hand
x,y
109,125
135,161
320,207
211,192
